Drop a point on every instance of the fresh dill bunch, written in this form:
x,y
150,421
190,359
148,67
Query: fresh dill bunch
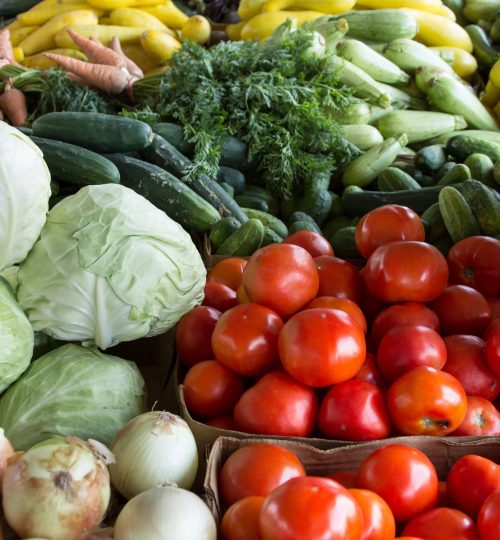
x,y
275,96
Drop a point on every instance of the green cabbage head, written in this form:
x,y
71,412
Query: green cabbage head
x,y
72,390
24,194
16,338
109,267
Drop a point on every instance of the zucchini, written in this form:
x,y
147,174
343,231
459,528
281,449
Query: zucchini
x,y
270,237
457,174
431,158
161,153
485,205
457,215
244,241
303,225
462,146
361,202
268,221
26,130
167,193
481,134
393,179
233,177
222,230
9,8
174,134
76,165
228,189
344,244
435,227
481,168
104,133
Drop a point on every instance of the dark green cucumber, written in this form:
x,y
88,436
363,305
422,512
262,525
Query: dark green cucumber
x,y
496,173
336,209
317,204
228,189
167,193
76,165
243,242
9,8
462,146
233,177
268,221
360,202
25,130
444,244
161,153
270,237
445,168
266,195
435,227
481,168
250,201
104,133
54,188
495,31
222,230
393,179
300,216
234,154
344,243
303,225
457,174
457,7
174,134
457,215
484,52
337,223
431,158
485,205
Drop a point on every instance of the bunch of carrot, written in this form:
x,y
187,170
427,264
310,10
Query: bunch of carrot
x,y
12,101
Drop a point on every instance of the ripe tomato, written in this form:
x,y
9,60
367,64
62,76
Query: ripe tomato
x,y
211,389
315,244
406,272
343,304
339,278
470,481
348,479
467,362
219,296
290,407
245,339
321,347
462,310
481,419
493,349
387,224
378,521
229,272
194,334
425,401
281,277
411,313
369,372
408,538
474,262
354,411
257,469
313,508
443,523
221,422
488,521
406,347
372,306
241,520
403,476
494,304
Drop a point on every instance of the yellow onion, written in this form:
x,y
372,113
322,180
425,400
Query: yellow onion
x,y
59,489
6,451
153,449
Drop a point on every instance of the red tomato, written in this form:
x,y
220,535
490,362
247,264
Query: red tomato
x,y
194,334
411,313
443,523
488,521
474,262
211,389
229,272
406,347
343,304
281,277
348,479
470,481
369,372
221,422
462,310
290,407
315,244
339,278
313,508
257,469
219,296
378,521
467,362
387,224
241,520
372,306
493,349
403,476
481,419
494,304
245,339
406,272
321,347
408,538
426,401
354,411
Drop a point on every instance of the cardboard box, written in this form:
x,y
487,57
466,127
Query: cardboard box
x,y
443,452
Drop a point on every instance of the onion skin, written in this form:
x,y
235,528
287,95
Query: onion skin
x,y
58,490
6,451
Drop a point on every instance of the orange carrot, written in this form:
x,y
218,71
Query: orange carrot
x,y
133,68
96,51
77,79
13,104
111,79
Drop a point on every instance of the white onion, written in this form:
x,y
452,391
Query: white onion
x,y
165,512
59,489
6,451
153,449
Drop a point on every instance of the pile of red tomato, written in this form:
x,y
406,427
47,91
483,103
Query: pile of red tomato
x,y
396,490
297,342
